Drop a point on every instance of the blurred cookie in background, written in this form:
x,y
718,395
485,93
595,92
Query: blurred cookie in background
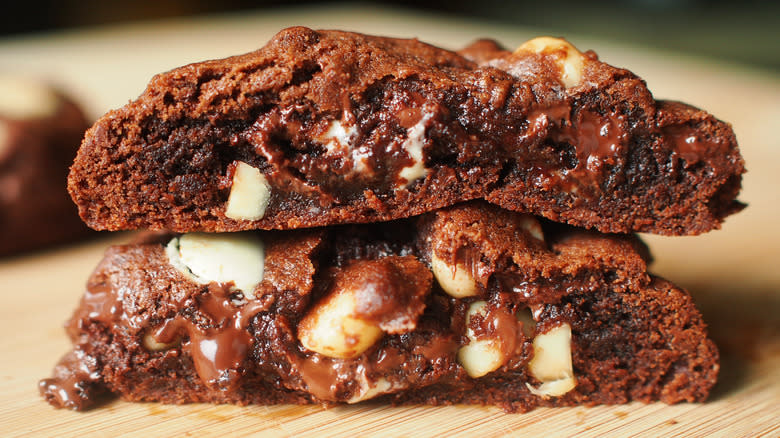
x,y
40,132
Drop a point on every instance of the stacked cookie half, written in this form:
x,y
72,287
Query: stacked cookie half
x,y
339,217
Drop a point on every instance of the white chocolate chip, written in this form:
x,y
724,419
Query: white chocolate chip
x,y
479,356
413,145
221,258
337,138
551,363
331,328
249,194
360,158
456,280
23,98
570,60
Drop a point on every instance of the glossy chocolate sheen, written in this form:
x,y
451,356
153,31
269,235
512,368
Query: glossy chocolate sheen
x,y
350,128
634,336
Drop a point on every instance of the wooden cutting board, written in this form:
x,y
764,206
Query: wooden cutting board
x,y
733,273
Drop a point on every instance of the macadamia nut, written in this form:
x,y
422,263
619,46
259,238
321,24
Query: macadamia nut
x,y
570,60
456,280
221,258
529,223
551,363
480,356
249,194
331,328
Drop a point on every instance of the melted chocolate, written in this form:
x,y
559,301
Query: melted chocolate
x,y
103,303
688,143
501,325
597,139
439,348
471,260
75,382
219,350
336,379
324,377
390,358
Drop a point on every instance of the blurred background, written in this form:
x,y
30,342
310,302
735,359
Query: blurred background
x,y
746,32
716,54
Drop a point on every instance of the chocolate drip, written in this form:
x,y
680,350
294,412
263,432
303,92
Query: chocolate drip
x,y
219,348
471,259
75,384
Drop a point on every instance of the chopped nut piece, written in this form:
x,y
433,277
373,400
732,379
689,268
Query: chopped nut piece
x,y
381,386
221,258
249,194
554,388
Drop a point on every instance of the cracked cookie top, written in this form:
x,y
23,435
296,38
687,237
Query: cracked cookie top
x,y
326,127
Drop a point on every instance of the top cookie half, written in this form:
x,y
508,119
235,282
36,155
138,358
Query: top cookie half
x,y
327,127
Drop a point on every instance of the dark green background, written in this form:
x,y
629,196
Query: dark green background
x,y
739,31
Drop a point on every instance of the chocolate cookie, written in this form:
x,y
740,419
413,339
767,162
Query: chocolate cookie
x,y
325,127
470,304
40,132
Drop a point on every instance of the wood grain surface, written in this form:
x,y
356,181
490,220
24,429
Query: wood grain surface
x,y
733,273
